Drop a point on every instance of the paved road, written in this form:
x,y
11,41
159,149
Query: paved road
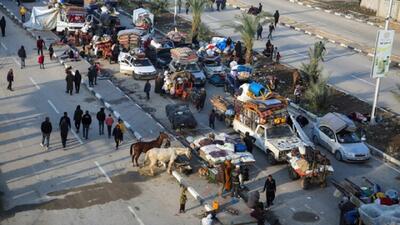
x,y
347,70
88,182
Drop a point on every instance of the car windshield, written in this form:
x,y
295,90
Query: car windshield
x,y
279,131
210,63
193,67
141,62
347,137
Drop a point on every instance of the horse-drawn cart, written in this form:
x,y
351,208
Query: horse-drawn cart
x,y
309,166
224,108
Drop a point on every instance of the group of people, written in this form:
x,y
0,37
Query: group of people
x,y
86,120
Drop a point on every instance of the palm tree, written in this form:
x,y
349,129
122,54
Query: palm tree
x,y
312,71
247,27
159,6
197,9
317,94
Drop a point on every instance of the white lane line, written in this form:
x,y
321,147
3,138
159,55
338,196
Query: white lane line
x,y
362,80
77,137
3,45
159,124
135,215
103,171
53,106
34,82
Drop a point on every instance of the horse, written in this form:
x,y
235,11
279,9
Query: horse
x,y
165,155
141,146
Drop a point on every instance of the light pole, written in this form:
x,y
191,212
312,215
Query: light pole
x,y
175,13
378,79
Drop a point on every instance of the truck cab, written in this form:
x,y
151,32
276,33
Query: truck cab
x,y
275,140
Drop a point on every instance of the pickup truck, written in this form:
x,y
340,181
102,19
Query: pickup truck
x,y
275,140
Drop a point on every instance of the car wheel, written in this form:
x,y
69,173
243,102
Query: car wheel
x,y
271,158
292,174
338,156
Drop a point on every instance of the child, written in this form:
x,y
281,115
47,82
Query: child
x,y
182,200
278,57
41,61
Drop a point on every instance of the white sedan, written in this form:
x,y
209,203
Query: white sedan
x,y
138,67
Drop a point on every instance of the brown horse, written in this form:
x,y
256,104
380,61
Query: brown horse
x,y
140,147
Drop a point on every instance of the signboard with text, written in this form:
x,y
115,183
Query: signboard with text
x,y
383,51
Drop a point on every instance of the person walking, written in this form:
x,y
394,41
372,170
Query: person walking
x,y
218,5
3,26
10,79
78,118
77,81
51,51
270,188
182,199
86,121
211,119
260,6
101,117
46,129
69,79
235,182
91,76
22,56
202,99
122,127
109,123
41,61
39,45
147,88
64,125
259,31
223,4
179,2
187,6
271,29
22,13
238,49
117,133
248,141
276,17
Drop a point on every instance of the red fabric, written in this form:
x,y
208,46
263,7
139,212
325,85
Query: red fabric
x,y
41,59
386,201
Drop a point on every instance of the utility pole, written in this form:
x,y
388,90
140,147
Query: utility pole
x,y
378,79
176,11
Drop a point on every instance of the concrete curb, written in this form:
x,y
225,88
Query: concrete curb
x,y
374,151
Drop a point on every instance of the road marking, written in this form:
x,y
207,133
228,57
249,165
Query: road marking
x,y
104,172
77,137
34,82
135,215
53,106
362,80
159,124
4,46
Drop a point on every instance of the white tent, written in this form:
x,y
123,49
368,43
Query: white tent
x,y
43,18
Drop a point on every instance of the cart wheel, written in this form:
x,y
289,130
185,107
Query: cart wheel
x,y
271,158
305,183
292,174
228,122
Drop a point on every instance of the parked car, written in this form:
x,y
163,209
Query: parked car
x,y
193,68
159,52
214,70
336,132
180,116
138,67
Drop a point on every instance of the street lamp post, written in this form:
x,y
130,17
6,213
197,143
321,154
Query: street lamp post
x,y
175,13
378,79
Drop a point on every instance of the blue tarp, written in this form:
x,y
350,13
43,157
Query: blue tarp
x,y
221,44
258,89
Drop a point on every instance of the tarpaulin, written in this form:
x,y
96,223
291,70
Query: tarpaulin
x,y
42,18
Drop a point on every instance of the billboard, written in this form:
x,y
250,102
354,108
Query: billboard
x,y
383,51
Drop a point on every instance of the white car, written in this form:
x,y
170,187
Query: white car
x,y
139,68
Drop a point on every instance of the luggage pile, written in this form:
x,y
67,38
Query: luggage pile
x,y
220,103
176,36
144,22
129,39
183,55
103,45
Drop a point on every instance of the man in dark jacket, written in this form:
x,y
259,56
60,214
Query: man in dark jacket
x,y
270,188
46,129
202,99
117,133
276,17
248,141
70,82
235,182
78,117
147,88
259,31
101,117
77,81
3,26
10,79
238,49
86,121
22,56
65,125
39,45
91,75
211,119
271,29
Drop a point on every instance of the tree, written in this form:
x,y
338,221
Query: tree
x,y
312,71
317,94
159,6
247,27
197,9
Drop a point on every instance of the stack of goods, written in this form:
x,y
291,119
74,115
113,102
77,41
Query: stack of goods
x,y
183,55
129,39
222,45
176,36
308,162
223,105
143,21
102,44
177,80
215,149
377,214
241,72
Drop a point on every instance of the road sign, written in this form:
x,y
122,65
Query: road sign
x,y
383,51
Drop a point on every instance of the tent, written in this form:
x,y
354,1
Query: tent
x,y
43,18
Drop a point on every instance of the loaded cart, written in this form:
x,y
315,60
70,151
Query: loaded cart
x,y
310,166
224,108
